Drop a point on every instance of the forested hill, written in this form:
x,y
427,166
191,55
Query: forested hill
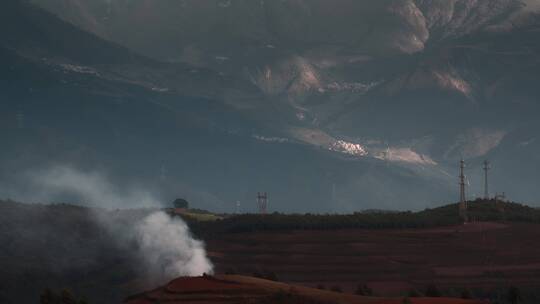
x,y
479,210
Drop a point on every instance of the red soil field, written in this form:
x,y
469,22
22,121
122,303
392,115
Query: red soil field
x,y
239,289
391,262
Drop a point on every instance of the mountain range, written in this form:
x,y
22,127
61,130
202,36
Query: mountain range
x,y
329,106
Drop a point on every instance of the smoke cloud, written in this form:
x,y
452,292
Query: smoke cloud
x,y
164,245
92,188
169,250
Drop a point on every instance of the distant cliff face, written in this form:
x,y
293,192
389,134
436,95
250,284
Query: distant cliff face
x,y
304,50
339,64
455,18
170,29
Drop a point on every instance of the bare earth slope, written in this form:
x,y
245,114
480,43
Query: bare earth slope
x,y
240,289
486,256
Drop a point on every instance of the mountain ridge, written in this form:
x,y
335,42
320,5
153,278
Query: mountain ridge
x,y
391,115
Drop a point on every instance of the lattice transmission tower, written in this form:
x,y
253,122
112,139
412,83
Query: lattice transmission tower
x,y
262,202
462,196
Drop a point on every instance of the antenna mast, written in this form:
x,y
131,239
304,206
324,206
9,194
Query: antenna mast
x,y
487,167
462,197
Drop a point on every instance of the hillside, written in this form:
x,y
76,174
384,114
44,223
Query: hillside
x,y
91,252
239,289
484,257
478,211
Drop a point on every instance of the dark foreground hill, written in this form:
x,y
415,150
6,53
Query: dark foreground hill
x,y
239,289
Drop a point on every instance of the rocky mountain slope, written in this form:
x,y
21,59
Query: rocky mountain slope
x,y
360,100
237,289
85,105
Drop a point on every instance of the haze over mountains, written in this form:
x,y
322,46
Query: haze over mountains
x,y
330,106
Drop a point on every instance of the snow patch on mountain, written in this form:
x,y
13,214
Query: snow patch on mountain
x,y
409,156
404,155
348,148
527,142
160,90
453,82
431,77
319,138
355,87
79,69
280,140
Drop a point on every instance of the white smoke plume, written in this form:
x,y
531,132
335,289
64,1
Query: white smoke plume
x,y
168,248
165,245
89,188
